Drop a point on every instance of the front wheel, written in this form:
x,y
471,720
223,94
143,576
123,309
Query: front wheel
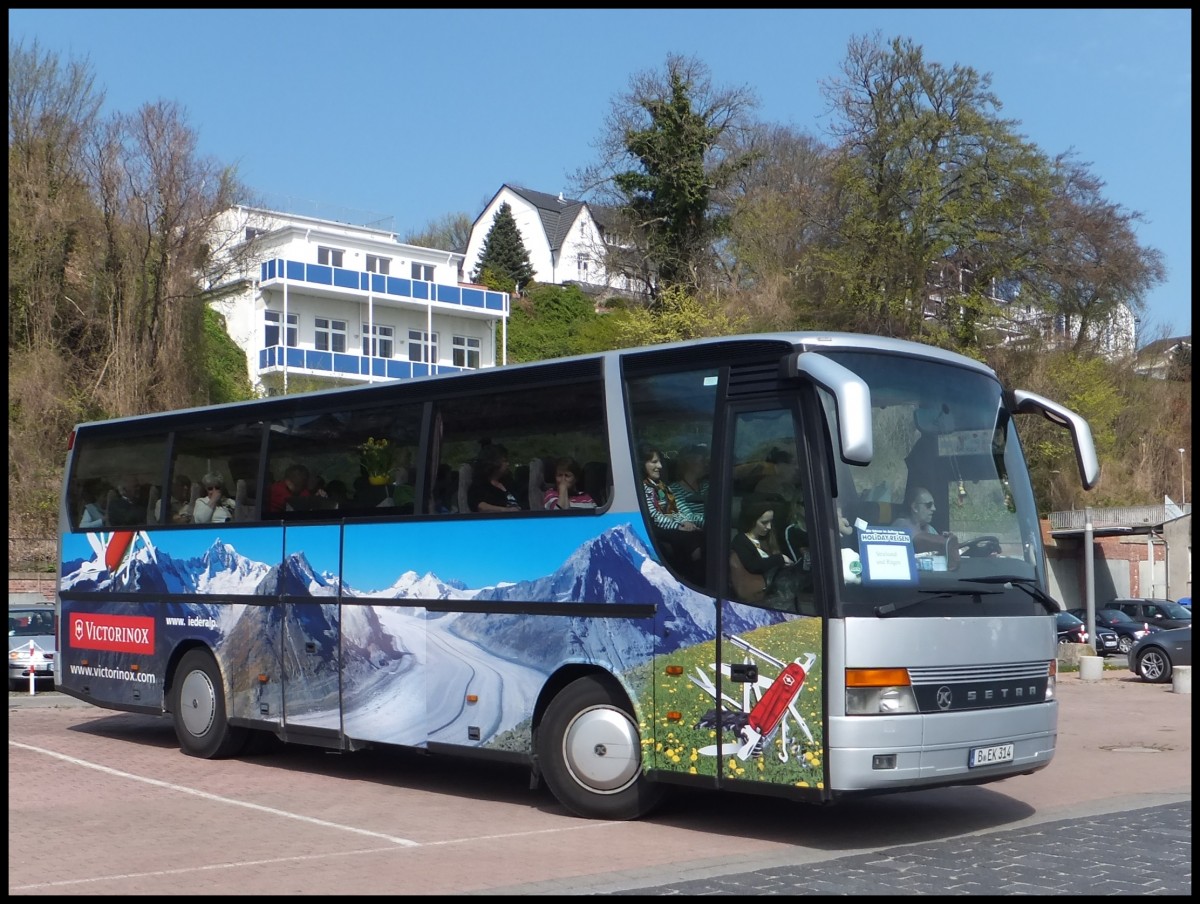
x,y
1153,665
590,753
198,709
1125,644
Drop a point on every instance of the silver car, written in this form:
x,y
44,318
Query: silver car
x,y
31,639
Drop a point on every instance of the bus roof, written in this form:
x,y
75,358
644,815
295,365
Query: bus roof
x,y
810,341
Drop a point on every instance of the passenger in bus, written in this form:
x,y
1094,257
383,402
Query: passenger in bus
x,y
126,508
338,493
214,505
96,494
664,508
752,543
682,536
566,492
179,505
919,507
488,492
781,483
786,583
291,487
691,487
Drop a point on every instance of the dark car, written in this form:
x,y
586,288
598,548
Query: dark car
x,y
1160,613
1128,629
1072,629
1156,656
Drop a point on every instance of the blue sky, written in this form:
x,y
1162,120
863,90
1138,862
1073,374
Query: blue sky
x,y
410,115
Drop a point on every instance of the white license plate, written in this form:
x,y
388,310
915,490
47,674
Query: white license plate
x,y
990,756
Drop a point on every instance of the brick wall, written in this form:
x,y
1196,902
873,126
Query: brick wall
x,y
33,582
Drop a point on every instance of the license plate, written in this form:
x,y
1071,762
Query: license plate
x,y
990,756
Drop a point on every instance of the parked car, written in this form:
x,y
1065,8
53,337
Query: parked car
x,y
1108,642
30,623
1128,629
1161,613
1157,655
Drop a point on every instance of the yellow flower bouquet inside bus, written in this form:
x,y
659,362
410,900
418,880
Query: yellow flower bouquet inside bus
x,y
378,457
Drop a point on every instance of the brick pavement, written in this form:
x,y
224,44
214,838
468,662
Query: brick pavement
x,y
1141,852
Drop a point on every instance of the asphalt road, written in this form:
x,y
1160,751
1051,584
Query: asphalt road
x,y
115,808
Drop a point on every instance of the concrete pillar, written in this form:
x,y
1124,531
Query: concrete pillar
x,y
1091,668
1181,679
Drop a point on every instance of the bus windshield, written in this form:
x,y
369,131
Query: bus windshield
x,y
945,503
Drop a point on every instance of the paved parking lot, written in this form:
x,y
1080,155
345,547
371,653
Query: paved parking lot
x,y
124,812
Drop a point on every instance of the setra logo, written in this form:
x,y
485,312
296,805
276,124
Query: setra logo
x,y
117,633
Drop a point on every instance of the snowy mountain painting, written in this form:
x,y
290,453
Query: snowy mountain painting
x,y
354,628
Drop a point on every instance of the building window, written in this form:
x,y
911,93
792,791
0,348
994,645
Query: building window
x,y
330,335
421,347
466,352
331,257
379,345
272,320
581,264
423,271
381,265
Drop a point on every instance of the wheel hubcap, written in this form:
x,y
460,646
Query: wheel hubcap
x,y
197,703
601,750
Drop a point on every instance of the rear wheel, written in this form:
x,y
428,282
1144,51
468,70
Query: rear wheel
x,y
590,753
1153,665
198,709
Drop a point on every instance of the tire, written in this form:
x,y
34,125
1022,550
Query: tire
x,y
1124,644
590,753
198,709
1154,666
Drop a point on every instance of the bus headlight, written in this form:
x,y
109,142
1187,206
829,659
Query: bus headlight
x,y
879,692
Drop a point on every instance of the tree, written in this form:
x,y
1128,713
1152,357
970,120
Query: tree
x,y
678,133
504,253
678,316
776,219
1091,262
549,323
451,232
108,229
934,195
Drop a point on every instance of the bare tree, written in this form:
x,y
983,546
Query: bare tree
x,y
1092,262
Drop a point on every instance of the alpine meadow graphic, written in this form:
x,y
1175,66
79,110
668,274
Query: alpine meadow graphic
x,y
341,645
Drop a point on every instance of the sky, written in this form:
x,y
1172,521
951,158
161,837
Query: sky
x,y
402,117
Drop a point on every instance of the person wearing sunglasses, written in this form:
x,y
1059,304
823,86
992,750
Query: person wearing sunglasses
x,y
214,505
920,508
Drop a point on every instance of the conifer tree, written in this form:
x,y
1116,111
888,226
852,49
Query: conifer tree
x,y
504,253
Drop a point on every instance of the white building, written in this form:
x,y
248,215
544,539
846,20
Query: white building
x,y
564,239
323,303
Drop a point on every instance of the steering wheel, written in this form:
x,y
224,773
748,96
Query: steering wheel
x,y
980,547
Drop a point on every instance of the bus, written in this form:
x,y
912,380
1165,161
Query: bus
x,y
367,603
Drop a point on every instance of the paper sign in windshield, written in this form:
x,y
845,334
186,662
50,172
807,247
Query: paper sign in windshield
x,y
887,556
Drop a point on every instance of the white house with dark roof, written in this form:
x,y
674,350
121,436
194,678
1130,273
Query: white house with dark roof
x,y
564,239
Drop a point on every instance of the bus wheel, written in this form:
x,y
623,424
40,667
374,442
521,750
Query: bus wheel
x,y
198,709
590,753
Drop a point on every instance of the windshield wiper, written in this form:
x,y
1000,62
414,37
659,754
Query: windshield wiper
x,y
1029,585
889,608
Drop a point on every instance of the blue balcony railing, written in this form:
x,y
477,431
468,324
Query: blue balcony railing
x,y
415,290
354,367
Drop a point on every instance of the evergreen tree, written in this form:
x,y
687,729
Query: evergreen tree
x,y
504,253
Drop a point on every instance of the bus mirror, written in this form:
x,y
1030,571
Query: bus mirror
x,y
1081,434
852,398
